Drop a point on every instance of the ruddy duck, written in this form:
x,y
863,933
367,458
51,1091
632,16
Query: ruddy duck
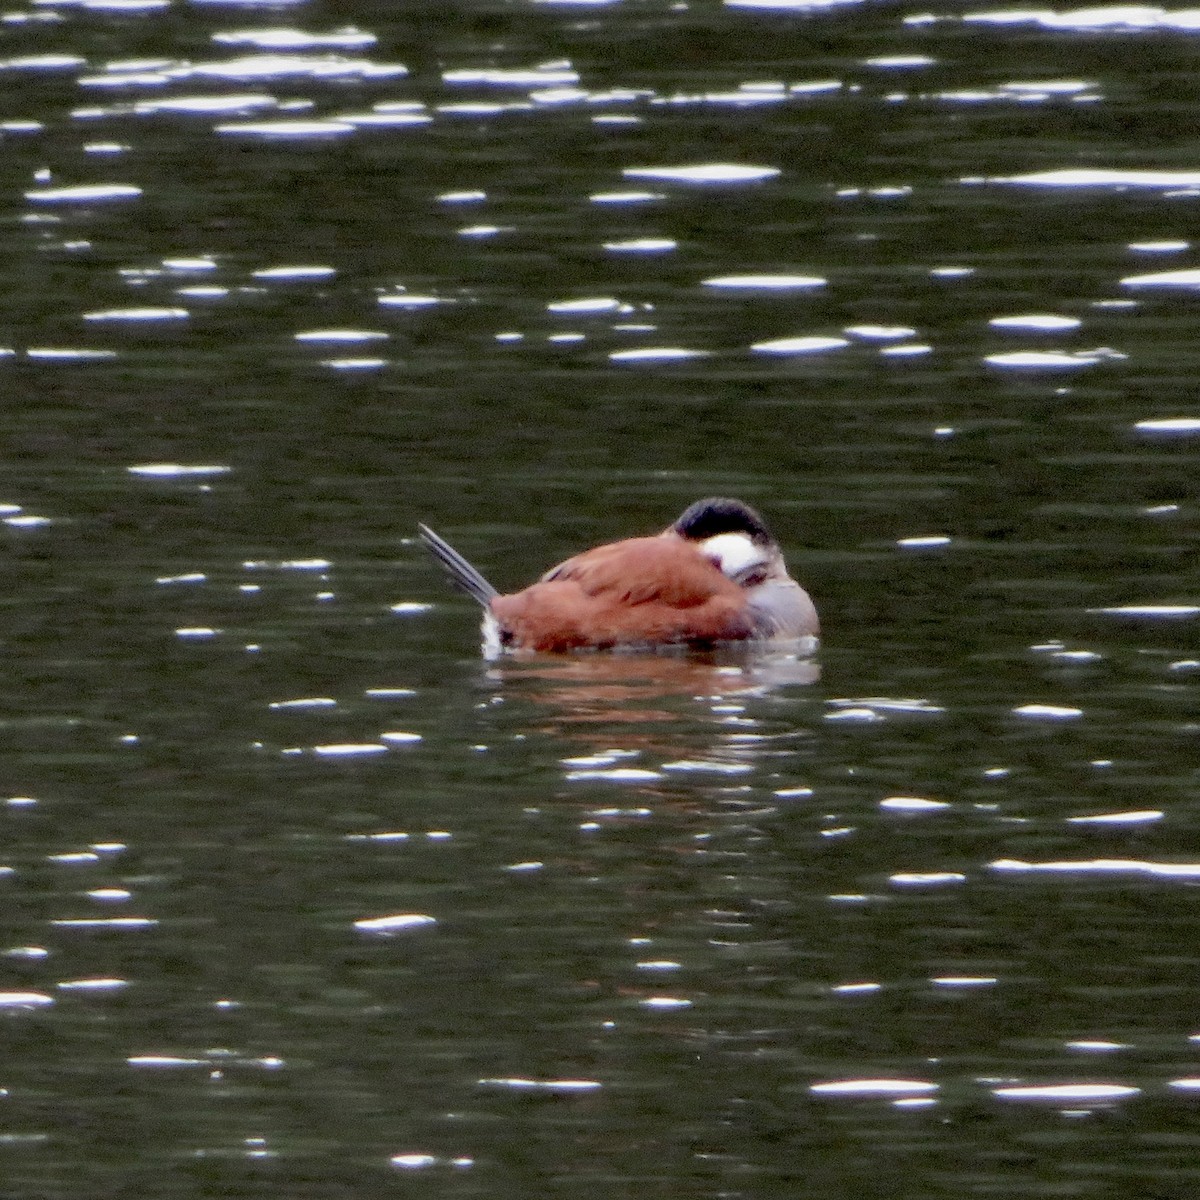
x,y
714,575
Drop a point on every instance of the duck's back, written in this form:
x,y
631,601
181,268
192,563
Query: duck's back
x,y
649,590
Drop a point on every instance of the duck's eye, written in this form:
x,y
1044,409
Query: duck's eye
x,y
752,577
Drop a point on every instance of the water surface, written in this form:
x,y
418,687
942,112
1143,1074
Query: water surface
x,y
305,897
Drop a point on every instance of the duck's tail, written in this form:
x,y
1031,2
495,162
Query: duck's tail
x,y
464,576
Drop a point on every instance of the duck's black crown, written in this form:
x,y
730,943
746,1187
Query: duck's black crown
x,y
718,514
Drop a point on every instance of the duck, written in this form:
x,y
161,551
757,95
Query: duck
x,y
715,575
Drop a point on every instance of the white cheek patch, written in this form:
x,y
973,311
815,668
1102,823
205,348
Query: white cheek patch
x,y
733,553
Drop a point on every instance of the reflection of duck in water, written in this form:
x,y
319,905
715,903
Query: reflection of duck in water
x,y
646,700
715,575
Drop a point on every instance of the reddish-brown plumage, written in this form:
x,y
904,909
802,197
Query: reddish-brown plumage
x,y
650,590
715,575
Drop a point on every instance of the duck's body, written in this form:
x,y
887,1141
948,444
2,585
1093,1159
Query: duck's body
x,y
715,575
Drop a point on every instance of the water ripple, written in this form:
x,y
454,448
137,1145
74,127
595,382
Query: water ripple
x,y
287,66
1037,322
1123,18
765,283
704,173
1189,278
296,39
287,129
1101,177
1099,866
1170,426
800,345
84,193
1052,360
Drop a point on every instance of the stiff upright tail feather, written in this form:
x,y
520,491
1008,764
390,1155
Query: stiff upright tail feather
x,y
462,574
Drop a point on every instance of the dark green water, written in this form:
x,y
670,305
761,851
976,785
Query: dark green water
x,y
682,917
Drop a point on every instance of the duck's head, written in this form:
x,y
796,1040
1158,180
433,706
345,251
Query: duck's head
x,y
735,538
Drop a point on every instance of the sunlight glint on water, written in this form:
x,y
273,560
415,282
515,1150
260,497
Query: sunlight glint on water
x,y
308,894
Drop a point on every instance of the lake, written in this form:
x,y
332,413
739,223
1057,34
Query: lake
x,y
305,898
